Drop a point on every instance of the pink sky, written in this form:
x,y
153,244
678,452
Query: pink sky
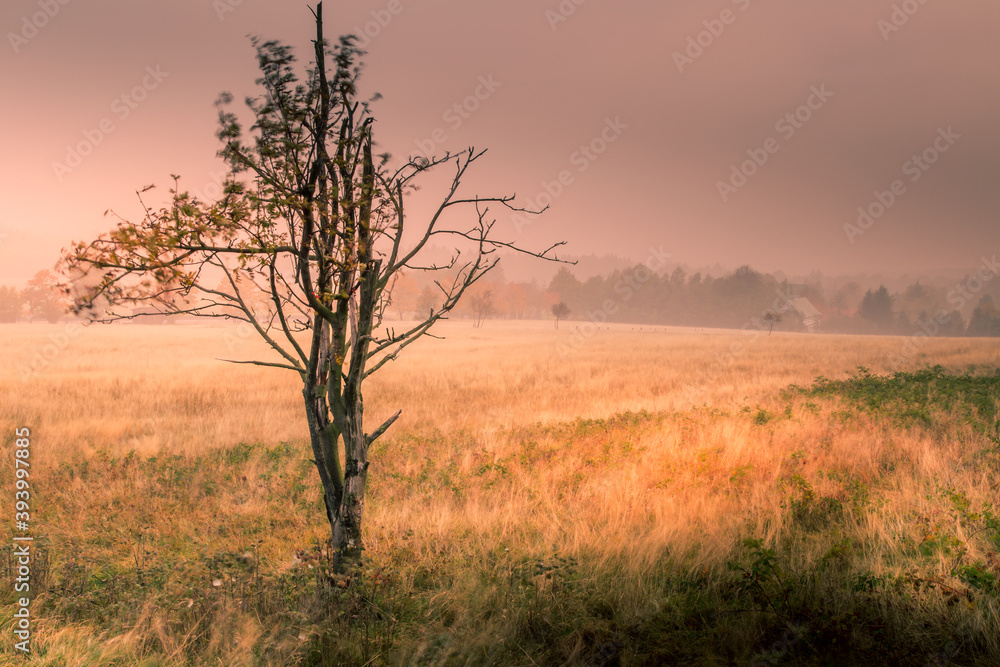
x,y
675,118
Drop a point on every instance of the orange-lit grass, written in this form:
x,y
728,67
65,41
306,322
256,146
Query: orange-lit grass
x,y
505,456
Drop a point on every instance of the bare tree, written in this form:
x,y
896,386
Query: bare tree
x,y
482,307
404,292
847,297
770,318
426,301
560,311
316,221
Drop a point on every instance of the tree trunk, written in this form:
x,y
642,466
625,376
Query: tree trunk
x,y
325,456
346,526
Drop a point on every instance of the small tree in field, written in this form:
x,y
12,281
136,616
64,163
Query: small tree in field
x,y
426,301
771,318
482,307
314,220
403,292
560,311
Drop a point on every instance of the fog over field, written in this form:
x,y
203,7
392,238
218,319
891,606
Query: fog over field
x,y
522,333
896,95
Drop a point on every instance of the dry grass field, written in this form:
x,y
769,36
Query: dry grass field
x,y
620,496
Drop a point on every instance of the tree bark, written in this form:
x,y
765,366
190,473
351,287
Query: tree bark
x,y
325,455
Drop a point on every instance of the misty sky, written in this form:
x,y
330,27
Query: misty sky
x,y
723,132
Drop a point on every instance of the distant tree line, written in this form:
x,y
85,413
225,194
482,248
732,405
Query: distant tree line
x,y
42,298
415,293
740,299
746,297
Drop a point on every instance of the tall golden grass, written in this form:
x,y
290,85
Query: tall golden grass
x,y
154,388
617,462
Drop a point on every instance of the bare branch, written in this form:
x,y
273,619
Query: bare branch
x,y
262,363
377,433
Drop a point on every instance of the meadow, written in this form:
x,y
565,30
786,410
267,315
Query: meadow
x,y
621,496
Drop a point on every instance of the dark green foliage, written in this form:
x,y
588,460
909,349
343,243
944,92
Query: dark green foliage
x,y
876,308
920,397
762,417
808,510
985,320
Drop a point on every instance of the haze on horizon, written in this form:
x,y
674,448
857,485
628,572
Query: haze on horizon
x,y
733,132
